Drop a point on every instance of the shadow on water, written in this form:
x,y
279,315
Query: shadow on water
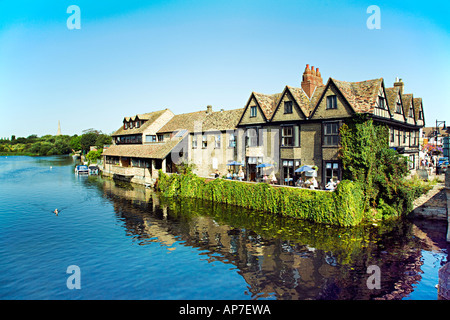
x,y
278,257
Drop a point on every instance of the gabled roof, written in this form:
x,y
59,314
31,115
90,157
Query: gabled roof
x,y
408,103
302,99
362,96
149,118
305,104
417,106
267,103
392,94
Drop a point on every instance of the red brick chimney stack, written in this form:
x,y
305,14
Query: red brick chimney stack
x,y
311,79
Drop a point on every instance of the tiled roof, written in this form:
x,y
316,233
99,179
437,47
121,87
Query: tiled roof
x,y
407,100
202,121
222,120
417,105
315,97
362,96
151,151
149,117
302,100
267,102
184,121
391,96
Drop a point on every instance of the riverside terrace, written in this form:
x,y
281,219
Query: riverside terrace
x,y
298,126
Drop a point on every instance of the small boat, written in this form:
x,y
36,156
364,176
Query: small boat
x,y
93,169
81,169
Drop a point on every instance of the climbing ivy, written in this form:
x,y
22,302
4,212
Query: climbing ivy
x,y
381,171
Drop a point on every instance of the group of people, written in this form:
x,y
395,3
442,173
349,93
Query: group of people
x,y
310,183
232,176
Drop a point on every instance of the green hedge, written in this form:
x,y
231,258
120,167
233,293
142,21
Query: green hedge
x,y
343,207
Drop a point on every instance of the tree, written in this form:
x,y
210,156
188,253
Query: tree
x,y
103,139
75,143
87,140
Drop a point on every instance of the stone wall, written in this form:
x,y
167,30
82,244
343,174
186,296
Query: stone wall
x,y
432,205
444,282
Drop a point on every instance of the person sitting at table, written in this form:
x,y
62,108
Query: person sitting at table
x,y
241,175
217,174
312,183
299,182
273,179
229,175
265,178
331,185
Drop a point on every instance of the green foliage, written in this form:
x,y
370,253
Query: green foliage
x,y
93,156
380,171
52,145
87,140
342,207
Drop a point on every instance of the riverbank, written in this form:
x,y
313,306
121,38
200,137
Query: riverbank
x,y
343,207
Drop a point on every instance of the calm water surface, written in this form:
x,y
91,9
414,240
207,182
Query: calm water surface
x,y
131,244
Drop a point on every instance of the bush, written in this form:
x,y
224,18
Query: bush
x,y
343,207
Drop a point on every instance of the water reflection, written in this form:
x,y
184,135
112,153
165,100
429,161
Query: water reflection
x,y
279,258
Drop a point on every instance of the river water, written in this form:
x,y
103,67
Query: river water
x,y
129,243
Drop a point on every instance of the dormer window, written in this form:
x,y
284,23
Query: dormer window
x,y
252,111
381,103
125,125
288,107
138,124
411,112
398,108
331,102
131,125
420,114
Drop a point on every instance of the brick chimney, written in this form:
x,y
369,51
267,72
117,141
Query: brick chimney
x,y
209,109
311,79
399,83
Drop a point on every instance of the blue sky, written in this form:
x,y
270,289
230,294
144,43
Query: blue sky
x,y
134,57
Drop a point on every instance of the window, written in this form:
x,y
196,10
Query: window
x,y
331,102
252,111
130,125
140,163
125,125
331,133
288,107
160,137
398,108
204,141
420,114
232,140
194,141
251,138
399,137
392,134
332,171
287,137
288,172
217,141
137,124
150,138
381,103
411,112
404,136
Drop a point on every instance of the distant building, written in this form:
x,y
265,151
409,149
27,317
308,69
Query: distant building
x,y
58,133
